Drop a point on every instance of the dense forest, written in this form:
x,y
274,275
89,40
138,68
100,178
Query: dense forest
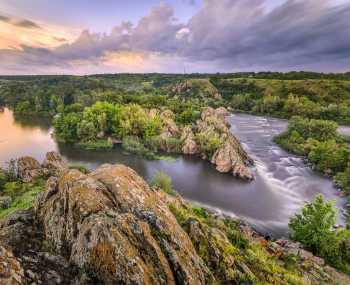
x,y
311,95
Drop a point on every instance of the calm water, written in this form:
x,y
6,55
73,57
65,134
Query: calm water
x,y
283,182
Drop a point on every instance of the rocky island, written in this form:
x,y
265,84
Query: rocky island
x,y
109,226
147,131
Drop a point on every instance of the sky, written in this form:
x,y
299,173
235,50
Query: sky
x,y
112,36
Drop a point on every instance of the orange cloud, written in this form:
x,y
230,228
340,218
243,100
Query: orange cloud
x,y
13,36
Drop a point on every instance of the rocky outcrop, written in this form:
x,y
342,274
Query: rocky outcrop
x,y
230,155
143,244
55,163
170,127
28,168
190,145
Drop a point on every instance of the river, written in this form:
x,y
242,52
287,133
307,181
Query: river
x,y
282,185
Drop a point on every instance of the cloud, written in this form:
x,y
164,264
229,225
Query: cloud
x,y
224,35
4,19
27,24
19,23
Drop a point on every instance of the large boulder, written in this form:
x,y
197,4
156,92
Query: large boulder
x,y
111,223
55,163
28,168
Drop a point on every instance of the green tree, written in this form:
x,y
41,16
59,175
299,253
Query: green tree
x,y
313,226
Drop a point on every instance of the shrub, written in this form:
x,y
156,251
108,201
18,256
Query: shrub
x,y
133,145
313,225
321,130
163,181
313,228
209,142
329,156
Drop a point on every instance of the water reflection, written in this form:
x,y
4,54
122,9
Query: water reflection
x,y
282,183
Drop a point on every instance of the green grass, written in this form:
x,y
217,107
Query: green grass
x,y
23,195
101,144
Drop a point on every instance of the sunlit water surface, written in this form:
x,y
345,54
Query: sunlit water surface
x,y
282,181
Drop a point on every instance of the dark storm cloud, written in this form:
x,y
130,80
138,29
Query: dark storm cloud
x,y
228,34
19,23
4,19
297,32
27,24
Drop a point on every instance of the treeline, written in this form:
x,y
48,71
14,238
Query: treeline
x,y
317,99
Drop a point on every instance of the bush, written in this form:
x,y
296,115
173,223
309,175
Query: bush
x,y
134,145
329,156
321,130
314,224
209,142
313,228
163,181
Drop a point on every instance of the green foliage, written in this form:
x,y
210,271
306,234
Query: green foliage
x,y
329,156
342,179
132,144
81,167
209,142
98,144
3,179
313,228
317,129
23,107
66,127
314,224
163,181
22,194
318,141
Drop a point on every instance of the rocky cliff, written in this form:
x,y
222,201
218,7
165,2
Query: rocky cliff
x,y
110,227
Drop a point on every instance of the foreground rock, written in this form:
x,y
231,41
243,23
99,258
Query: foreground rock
x,y
143,244
110,227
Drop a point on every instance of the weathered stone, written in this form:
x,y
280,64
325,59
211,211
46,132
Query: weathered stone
x,y
230,156
170,127
11,271
190,145
28,168
55,163
143,244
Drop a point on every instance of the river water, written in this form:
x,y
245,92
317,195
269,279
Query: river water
x,y
282,185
